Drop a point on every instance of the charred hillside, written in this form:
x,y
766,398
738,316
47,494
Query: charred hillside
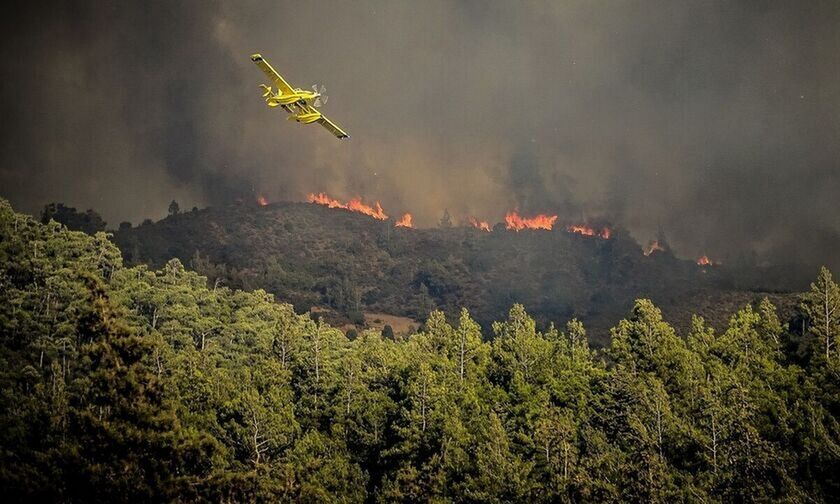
x,y
349,263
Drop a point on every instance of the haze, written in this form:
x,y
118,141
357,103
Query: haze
x,y
714,122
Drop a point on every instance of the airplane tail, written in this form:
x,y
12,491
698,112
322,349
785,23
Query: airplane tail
x,y
267,90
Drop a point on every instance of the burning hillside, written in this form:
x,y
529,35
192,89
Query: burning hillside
x,y
515,222
354,205
458,267
585,230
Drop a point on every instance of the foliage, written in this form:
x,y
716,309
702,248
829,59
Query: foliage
x,y
128,384
88,222
342,261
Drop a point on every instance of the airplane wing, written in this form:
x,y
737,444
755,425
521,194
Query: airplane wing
x,y
323,121
332,127
272,74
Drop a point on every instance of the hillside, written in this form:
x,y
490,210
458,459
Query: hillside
x,y
348,263
130,384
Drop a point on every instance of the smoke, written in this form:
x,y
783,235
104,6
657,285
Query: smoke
x,y
716,122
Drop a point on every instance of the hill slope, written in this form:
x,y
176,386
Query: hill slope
x,y
311,255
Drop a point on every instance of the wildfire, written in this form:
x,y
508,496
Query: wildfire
x,y
585,230
354,205
653,246
405,221
482,225
705,261
323,199
261,200
516,222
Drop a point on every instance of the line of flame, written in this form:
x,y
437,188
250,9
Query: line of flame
x,y
354,205
516,222
585,230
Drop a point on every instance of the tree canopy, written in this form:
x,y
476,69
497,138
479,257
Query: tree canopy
x,y
129,384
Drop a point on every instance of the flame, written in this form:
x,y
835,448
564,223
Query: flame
x,y
261,201
705,261
323,199
653,246
482,225
514,221
405,221
354,205
585,230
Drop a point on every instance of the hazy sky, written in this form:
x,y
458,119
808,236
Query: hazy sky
x,y
717,122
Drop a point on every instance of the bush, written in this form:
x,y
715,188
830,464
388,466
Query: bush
x,y
356,317
388,332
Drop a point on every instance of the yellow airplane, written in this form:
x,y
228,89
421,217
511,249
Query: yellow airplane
x,y
300,103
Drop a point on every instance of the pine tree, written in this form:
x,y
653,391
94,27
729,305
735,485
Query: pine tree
x,y
131,446
822,307
446,220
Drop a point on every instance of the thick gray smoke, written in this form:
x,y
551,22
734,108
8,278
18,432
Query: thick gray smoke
x,y
717,122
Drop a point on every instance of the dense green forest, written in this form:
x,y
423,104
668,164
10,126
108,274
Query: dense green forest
x,y
128,384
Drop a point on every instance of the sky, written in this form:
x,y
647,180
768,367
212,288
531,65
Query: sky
x,y
714,123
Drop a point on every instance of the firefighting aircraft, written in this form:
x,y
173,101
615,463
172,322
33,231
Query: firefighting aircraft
x,y
300,103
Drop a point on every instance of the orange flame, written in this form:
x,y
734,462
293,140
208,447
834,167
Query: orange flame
x,y
323,199
653,246
482,225
261,200
585,230
514,221
705,261
405,221
354,205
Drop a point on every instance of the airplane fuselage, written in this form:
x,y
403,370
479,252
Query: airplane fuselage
x,y
294,104
301,96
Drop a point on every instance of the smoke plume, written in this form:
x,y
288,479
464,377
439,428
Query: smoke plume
x,y
714,122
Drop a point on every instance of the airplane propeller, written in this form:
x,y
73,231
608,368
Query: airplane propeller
x,y
322,98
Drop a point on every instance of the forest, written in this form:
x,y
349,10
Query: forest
x,y
345,263
134,384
